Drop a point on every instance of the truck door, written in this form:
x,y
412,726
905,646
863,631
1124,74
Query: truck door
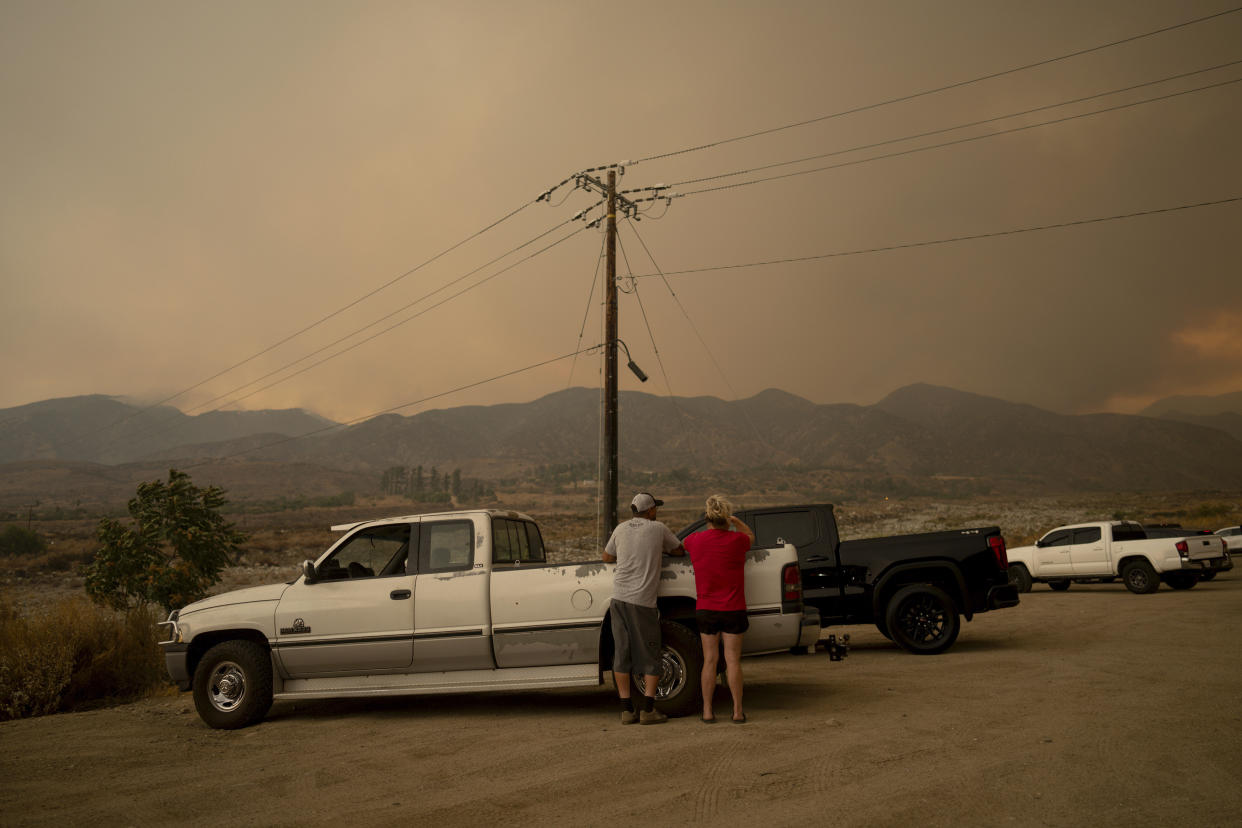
x,y
452,626
1052,554
357,616
543,614
825,582
1089,553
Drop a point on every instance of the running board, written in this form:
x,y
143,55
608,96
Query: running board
x,y
459,681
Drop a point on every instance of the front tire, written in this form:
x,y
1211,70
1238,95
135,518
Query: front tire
x,y
233,685
1140,578
922,619
681,668
1020,577
1059,586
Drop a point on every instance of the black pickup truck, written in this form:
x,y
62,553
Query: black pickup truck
x,y
914,588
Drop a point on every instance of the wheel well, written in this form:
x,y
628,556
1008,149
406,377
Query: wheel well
x,y
1124,562
943,577
679,610
204,642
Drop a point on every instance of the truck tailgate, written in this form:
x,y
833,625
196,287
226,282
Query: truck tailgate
x,y
1204,547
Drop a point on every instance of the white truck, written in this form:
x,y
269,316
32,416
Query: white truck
x,y
452,602
1111,549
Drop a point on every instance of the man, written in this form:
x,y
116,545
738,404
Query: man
x,y
637,547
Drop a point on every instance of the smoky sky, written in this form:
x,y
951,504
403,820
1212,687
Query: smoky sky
x,y
189,185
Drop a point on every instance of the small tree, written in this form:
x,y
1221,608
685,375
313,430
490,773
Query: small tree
x,y
171,554
16,540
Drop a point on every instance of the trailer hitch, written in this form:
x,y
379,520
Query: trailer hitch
x,y
837,650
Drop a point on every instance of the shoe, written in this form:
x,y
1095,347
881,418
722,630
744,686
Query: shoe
x,y
628,717
652,716
706,720
741,720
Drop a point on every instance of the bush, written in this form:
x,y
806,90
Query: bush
x,y
15,540
75,654
172,552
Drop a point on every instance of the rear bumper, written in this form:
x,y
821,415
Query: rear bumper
x,y
810,627
1000,597
1221,564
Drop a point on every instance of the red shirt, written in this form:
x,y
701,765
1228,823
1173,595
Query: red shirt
x,y
719,559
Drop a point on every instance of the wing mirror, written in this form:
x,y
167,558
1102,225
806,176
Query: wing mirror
x,y
1039,542
308,571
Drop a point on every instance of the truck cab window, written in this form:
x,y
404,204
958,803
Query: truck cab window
x,y
446,546
374,550
1089,535
1060,537
797,528
516,541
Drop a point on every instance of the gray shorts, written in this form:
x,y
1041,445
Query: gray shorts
x,y
636,636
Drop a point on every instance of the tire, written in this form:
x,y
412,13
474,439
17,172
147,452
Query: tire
x,y
1207,576
1020,577
1059,586
1140,578
922,619
681,669
879,625
233,685
1181,580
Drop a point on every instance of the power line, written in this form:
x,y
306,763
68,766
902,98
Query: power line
x,y
396,408
305,329
909,245
386,316
699,336
914,150
395,325
947,129
945,88
587,312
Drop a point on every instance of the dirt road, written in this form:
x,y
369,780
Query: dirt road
x,y
1089,707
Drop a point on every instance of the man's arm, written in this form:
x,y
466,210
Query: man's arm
x,y
672,546
609,558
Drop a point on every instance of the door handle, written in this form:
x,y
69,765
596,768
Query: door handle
x,y
399,594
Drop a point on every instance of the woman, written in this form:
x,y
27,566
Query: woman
x,y
718,554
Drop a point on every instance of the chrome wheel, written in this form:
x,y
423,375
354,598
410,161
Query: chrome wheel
x,y
672,672
227,686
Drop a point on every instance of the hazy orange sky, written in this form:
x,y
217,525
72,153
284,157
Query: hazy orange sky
x,y
187,184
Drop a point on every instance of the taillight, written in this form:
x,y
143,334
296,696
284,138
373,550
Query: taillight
x,y
997,544
1183,549
791,580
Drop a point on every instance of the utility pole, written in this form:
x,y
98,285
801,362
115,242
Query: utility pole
x,y
608,509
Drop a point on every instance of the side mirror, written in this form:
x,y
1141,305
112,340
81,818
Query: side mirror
x,y
1039,542
308,571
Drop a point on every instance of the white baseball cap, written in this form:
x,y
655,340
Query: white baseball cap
x,y
644,501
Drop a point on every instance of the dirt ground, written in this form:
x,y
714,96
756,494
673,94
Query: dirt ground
x,y
1088,707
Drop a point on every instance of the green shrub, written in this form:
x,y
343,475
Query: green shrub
x,y
75,654
14,540
170,553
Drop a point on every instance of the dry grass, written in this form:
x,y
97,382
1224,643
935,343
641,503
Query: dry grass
x,y
74,654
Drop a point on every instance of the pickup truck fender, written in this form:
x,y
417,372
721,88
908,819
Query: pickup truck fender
x,y
678,609
942,573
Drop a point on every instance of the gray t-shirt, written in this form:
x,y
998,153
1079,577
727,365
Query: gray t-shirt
x,y
638,545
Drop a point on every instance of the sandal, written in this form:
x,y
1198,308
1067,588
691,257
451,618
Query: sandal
x,y
706,720
741,720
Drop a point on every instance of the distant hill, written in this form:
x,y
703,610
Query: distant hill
x,y
920,437
102,429
1223,411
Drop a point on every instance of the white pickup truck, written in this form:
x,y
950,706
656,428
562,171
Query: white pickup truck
x,y
1104,551
450,603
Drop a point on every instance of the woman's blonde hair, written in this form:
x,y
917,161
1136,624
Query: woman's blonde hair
x,y
718,510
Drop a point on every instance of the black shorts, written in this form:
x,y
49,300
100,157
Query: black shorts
x,y
718,621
